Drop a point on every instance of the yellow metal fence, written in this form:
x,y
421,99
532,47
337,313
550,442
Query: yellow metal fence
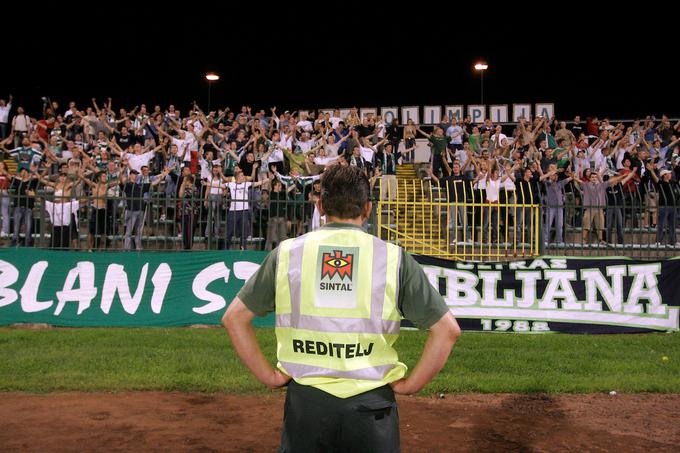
x,y
424,218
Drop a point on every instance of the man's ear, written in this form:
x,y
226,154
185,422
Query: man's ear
x,y
322,212
367,210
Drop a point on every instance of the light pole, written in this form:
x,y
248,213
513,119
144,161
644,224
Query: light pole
x,y
481,67
211,77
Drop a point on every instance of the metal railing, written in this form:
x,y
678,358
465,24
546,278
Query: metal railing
x,y
153,222
457,223
422,216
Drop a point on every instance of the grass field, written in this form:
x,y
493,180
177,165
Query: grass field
x,y
203,360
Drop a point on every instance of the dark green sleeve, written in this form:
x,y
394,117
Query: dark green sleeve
x,y
418,301
258,293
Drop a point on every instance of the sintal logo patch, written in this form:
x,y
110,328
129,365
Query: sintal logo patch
x,y
336,263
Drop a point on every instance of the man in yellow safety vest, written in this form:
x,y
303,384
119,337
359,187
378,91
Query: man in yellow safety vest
x,y
339,294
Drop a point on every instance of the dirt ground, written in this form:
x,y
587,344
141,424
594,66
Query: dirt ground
x,y
155,421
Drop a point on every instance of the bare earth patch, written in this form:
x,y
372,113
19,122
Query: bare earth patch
x,y
156,421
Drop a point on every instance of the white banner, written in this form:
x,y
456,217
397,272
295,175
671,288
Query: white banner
x,y
477,113
499,113
410,113
389,113
454,111
365,111
521,111
545,110
432,114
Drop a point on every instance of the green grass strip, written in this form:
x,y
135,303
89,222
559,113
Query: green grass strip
x,y
180,359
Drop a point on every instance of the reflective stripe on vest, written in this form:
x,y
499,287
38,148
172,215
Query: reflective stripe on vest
x,y
346,338
329,324
374,373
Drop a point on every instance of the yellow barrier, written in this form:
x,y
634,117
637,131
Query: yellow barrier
x,y
424,218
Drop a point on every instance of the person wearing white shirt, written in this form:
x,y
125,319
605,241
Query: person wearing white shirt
x,y
215,193
198,127
5,107
305,125
318,220
335,119
620,150
21,125
367,150
493,187
207,164
501,136
581,162
357,160
455,132
380,127
275,151
60,217
596,155
238,218
286,138
462,154
305,144
507,197
185,142
276,155
331,146
323,158
139,159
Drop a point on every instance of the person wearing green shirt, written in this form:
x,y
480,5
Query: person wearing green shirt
x,y
475,140
25,155
438,141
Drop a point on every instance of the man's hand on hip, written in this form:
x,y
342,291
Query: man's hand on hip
x,y
278,379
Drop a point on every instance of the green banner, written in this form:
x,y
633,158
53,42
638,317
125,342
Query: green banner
x,y
603,295
121,288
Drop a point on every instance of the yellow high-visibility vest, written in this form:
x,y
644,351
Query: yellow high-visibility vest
x,y
336,311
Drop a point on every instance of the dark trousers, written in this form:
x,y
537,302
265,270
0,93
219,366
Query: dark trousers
x,y
238,222
437,164
409,143
667,219
188,224
614,219
61,237
23,216
316,421
4,130
111,217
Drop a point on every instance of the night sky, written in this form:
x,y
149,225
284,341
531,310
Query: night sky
x,y
585,61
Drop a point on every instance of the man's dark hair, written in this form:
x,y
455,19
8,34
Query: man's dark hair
x,y
344,191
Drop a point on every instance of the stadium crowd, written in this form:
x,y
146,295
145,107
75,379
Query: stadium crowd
x,y
226,174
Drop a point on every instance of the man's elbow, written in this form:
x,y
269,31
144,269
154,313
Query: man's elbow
x,y
446,329
453,331
237,314
227,320
229,317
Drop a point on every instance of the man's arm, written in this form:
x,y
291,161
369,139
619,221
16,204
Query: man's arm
x,y
424,133
160,177
237,320
443,335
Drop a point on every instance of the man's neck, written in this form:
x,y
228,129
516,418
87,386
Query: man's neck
x,y
356,221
